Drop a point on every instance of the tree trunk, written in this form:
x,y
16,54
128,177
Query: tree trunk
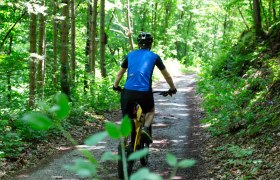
x,y
90,25
9,73
154,26
94,43
55,34
10,30
73,41
102,39
129,30
88,64
32,67
64,68
41,52
166,19
257,19
273,10
266,16
240,12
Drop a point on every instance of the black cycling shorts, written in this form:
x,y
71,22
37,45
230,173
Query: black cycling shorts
x,y
143,98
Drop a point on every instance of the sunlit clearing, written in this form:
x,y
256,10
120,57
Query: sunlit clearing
x,y
64,148
161,100
177,141
163,141
160,125
206,125
185,89
183,115
179,109
177,177
172,104
90,147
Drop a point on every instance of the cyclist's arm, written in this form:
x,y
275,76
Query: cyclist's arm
x,y
168,78
119,77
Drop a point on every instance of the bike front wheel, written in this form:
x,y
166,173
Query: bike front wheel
x,y
144,160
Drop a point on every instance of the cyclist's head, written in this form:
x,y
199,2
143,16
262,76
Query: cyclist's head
x,y
145,40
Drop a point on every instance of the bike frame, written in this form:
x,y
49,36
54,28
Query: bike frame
x,y
138,123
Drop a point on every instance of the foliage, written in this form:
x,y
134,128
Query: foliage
x,y
235,89
103,97
11,143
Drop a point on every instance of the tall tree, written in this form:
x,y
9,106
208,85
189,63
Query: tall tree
x,y
73,41
90,37
9,73
272,10
88,68
154,21
41,53
102,39
64,64
128,20
32,66
257,19
55,36
94,42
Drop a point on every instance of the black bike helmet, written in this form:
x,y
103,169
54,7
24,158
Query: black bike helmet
x,y
145,40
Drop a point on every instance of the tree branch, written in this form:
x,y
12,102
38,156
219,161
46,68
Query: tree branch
x,y
10,30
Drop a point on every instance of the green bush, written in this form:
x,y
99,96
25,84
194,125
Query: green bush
x,y
11,143
240,89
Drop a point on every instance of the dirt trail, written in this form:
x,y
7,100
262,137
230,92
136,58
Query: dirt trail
x,y
174,130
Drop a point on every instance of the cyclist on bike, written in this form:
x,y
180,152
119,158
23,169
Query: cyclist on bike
x,y
138,87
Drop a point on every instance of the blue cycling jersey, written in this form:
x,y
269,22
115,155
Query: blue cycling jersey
x,y
140,64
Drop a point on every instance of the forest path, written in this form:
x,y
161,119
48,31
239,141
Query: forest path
x,y
174,130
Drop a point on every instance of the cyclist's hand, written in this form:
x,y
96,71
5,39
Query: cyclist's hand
x,y
118,89
164,93
172,91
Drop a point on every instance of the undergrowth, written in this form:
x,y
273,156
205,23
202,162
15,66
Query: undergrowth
x,y
241,88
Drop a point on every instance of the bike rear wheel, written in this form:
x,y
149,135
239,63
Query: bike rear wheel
x,y
144,160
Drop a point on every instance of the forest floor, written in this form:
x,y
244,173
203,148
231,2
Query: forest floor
x,y
177,129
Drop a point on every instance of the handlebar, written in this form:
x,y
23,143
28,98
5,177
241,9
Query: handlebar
x,y
163,93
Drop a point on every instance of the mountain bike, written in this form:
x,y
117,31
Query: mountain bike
x,y
135,142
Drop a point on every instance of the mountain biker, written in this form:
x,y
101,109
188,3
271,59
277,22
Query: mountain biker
x,y
140,64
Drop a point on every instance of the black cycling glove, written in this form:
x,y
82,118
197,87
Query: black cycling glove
x,y
118,89
169,92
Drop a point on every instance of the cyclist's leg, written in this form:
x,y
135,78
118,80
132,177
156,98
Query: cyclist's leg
x,y
149,117
146,101
127,105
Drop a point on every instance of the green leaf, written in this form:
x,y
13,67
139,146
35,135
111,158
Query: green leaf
x,y
126,126
62,108
83,168
186,163
37,121
89,156
138,154
171,159
43,106
113,130
96,138
1,154
144,174
109,156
